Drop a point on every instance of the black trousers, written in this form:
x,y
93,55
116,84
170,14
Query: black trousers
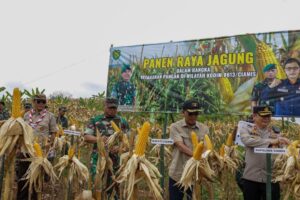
x,y
21,168
257,191
176,192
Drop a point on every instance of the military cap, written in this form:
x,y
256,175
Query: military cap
x,y
125,67
27,105
262,110
191,105
63,108
39,96
269,67
111,102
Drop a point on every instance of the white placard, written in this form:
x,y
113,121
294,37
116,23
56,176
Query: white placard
x,y
70,132
270,150
162,141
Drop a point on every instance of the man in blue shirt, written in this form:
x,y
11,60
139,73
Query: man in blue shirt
x,y
288,91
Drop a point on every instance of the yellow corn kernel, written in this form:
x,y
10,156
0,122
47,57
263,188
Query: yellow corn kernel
x,y
222,150
194,139
198,151
140,145
71,152
208,143
115,126
229,140
38,150
16,103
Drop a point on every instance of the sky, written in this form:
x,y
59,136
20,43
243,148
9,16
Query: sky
x,y
63,45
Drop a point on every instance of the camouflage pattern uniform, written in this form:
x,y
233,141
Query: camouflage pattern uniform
x,y
4,115
103,125
124,91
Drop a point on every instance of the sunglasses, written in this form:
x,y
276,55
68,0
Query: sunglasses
x,y
40,101
193,113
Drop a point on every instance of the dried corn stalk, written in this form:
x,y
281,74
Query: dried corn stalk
x,y
138,168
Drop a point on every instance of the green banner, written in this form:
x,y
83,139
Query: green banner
x,y
226,75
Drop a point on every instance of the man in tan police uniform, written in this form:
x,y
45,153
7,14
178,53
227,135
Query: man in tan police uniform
x,y
260,135
180,132
44,128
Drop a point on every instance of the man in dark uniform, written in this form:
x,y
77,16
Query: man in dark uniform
x,y
61,118
124,90
102,123
262,93
259,135
288,92
4,115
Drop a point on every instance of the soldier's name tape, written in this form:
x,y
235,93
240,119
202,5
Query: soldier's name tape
x,y
270,150
162,141
70,132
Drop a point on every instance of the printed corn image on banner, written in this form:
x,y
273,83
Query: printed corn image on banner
x,y
227,75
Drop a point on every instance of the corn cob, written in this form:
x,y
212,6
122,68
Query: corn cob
x,y
265,55
229,140
16,107
209,145
198,151
222,150
140,145
38,150
71,152
115,126
194,139
225,86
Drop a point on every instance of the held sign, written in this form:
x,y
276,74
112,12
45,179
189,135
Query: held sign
x,y
270,150
162,141
70,132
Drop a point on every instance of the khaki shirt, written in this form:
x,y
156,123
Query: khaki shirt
x,y
181,132
43,128
255,169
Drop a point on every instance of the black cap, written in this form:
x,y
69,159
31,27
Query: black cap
x,y
27,105
191,105
63,108
111,102
262,110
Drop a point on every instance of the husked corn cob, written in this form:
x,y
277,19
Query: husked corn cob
x,y
115,126
71,152
265,55
209,145
229,140
16,107
222,150
198,151
38,149
194,139
226,89
140,145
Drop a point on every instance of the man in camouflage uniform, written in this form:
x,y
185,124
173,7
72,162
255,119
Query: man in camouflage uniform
x,y
259,135
102,123
124,90
261,93
4,115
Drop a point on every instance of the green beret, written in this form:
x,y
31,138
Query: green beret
x,y
125,67
269,67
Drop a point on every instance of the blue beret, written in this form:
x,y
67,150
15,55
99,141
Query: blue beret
x,y
125,67
269,67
